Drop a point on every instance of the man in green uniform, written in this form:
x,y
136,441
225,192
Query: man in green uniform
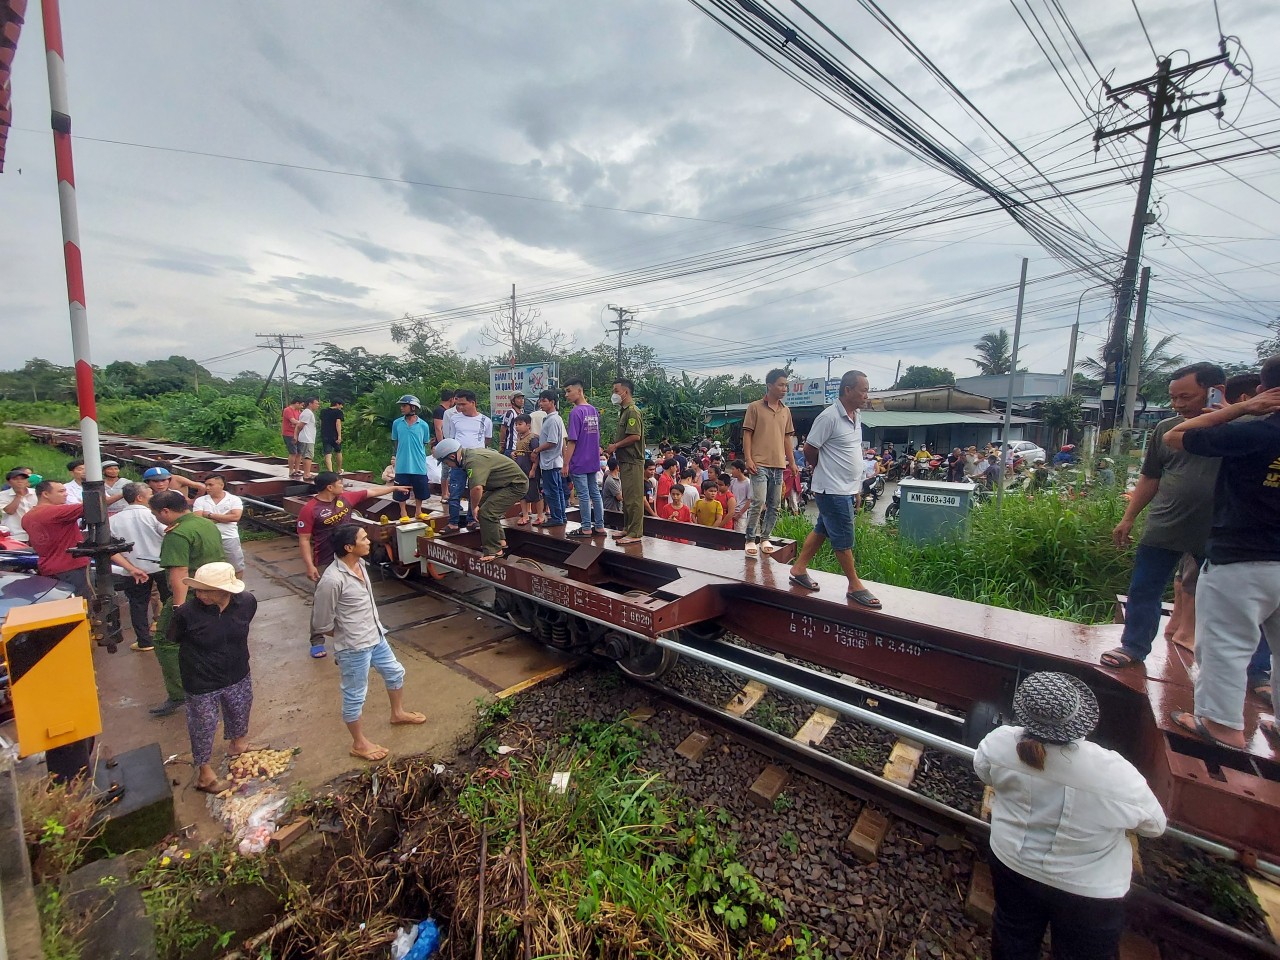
x,y
495,484
189,542
628,448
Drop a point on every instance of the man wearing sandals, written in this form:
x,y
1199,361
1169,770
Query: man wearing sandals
x,y
1176,490
1239,588
344,609
495,483
834,447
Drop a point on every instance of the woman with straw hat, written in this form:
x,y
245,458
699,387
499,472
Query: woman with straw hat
x,y
211,630
1062,805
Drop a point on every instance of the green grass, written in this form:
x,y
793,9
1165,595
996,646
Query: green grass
x,y
1050,555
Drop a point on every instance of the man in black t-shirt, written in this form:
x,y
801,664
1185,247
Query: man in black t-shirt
x,y
331,434
1239,588
437,415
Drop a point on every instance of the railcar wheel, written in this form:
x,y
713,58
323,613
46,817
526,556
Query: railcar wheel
x,y
402,572
645,660
521,612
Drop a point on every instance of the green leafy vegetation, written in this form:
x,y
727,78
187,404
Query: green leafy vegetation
x,y
1050,555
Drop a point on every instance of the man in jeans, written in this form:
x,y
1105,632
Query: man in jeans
x,y
473,430
550,453
344,609
766,449
1239,589
1178,487
582,460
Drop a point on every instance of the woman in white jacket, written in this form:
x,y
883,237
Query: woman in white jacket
x,y
1062,805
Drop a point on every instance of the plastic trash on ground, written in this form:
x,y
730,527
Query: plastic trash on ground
x,y
426,938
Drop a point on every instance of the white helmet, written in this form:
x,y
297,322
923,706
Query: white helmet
x,y
410,399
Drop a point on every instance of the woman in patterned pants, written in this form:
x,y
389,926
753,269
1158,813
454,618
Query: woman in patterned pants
x,y
211,630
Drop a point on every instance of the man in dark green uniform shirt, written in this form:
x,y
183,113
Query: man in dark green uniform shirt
x,y
628,448
189,542
495,483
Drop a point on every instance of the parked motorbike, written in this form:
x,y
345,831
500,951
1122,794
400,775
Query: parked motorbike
x,y
895,505
872,491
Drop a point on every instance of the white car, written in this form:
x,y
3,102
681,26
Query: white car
x,y
1027,450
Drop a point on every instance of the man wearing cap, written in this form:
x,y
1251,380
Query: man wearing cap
x,y
628,449
495,484
210,632
189,542
15,502
113,486
161,480
345,610
136,524
1059,855
410,437
331,507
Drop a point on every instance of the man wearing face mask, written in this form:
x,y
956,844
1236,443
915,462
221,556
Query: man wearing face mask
x,y
628,449
495,483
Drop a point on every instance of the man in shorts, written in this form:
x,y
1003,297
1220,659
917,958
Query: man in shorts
x,y
331,434
410,436
834,447
289,434
307,435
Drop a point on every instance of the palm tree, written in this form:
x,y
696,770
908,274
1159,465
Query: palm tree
x,y
1153,373
994,351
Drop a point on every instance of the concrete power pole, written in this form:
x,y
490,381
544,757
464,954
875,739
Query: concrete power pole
x,y
625,318
1133,369
1163,92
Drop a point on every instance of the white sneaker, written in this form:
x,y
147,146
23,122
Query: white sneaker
x,y
767,546
753,549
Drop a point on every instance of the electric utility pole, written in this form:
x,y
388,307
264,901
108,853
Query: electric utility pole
x,y
1165,94
625,318
283,344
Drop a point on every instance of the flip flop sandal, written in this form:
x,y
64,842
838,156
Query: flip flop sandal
x,y
318,651
627,541
804,580
414,719
1198,730
864,598
500,555
1118,658
522,522
374,756
211,788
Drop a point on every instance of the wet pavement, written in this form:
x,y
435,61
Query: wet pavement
x,y
453,656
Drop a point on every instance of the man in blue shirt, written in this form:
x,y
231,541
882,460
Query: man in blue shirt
x,y
410,435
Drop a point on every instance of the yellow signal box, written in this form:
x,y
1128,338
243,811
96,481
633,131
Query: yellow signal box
x,y
49,654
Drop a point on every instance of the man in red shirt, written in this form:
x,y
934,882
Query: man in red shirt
x,y
54,528
289,427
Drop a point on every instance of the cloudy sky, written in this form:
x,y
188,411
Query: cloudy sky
x,y
322,168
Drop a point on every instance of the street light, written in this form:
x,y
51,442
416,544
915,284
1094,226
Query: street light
x,y
1075,336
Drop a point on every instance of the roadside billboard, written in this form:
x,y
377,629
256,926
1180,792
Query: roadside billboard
x,y
527,378
817,392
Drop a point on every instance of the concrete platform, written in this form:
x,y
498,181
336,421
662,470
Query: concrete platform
x,y
297,700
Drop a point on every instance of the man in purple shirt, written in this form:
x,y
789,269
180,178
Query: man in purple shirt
x,y
582,461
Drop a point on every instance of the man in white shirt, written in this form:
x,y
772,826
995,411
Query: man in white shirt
x,y
113,486
834,448
344,609
15,502
225,510
307,435
136,524
75,486
472,429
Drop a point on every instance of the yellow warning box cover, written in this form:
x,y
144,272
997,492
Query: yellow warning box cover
x,y
49,654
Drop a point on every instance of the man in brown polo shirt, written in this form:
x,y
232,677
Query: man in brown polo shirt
x,y
767,450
